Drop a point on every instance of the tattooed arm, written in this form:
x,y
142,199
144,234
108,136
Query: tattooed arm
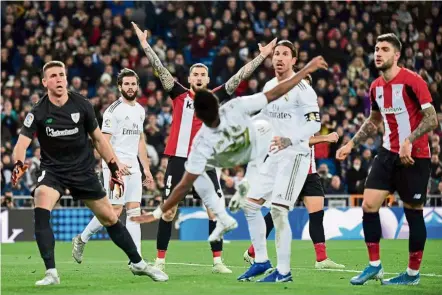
x,y
429,122
165,77
246,71
368,129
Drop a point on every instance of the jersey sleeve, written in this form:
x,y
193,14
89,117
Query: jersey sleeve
x,y
177,90
29,125
252,103
197,160
90,121
109,123
373,102
419,91
309,103
221,93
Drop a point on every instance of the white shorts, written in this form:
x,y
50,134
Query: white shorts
x,y
133,189
280,178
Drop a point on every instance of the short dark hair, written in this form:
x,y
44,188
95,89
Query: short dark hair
x,y
392,39
52,64
206,106
126,73
198,65
290,45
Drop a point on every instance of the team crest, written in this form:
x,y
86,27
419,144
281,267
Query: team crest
x,y
29,119
75,117
107,123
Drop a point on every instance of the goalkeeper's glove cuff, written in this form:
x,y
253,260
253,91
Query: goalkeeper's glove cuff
x,y
113,167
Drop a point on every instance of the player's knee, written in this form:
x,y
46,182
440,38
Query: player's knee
x,y
118,209
368,206
108,219
279,215
169,215
251,207
314,204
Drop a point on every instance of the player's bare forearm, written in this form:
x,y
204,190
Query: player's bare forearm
x,y
286,86
19,152
163,74
142,153
314,140
180,191
429,122
103,146
368,129
244,73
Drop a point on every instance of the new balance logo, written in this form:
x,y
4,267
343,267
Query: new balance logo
x,y
417,196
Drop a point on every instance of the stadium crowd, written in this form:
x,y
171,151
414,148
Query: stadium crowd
x,y
95,40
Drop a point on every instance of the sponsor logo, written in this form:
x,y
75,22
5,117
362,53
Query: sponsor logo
x,y
108,123
29,119
189,104
392,110
57,133
75,117
49,121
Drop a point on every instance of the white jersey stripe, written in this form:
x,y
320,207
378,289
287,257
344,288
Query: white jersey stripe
x,y
185,128
403,118
312,159
380,100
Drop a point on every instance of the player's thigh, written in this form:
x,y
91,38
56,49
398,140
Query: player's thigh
x,y
412,183
312,193
48,191
133,188
380,177
103,210
261,180
290,178
174,172
118,209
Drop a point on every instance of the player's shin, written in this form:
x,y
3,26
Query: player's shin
x,y
216,246
316,230
283,239
257,230
417,239
121,237
134,228
372,232
92,228
45,236
269,227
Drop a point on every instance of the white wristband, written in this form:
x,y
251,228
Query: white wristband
x,y
157,213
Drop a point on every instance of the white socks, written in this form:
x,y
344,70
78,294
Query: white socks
x,y
283,238
375,263
134,228
92,228
257,229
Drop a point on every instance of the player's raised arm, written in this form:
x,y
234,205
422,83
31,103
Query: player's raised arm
x,y
166,78
284,87
246,71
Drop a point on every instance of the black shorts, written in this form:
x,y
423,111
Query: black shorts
x,y
312,187
388,173
175,171
84,186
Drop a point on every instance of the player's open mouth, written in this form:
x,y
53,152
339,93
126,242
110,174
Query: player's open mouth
x,y
279,64
199,84
59,87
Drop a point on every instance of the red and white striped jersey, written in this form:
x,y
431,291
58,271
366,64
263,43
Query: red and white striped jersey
x,y
400,102
312,169
185,124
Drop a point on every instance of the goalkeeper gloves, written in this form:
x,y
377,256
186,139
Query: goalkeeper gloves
x,y
116,183
18,171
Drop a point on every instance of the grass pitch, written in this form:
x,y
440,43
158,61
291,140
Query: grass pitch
x,y
104,270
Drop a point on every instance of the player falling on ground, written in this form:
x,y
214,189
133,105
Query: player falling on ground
x,y
184,127
401,100
283,118
62,121
123,123
228,138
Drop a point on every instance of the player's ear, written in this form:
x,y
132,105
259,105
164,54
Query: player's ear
x,y
294,60
43,81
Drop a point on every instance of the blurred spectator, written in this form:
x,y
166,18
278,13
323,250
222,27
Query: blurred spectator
x,y
335,187
356,177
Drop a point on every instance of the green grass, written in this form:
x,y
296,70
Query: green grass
x,y
104,270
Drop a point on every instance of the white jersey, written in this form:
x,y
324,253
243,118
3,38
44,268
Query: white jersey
x,y
235,141
291,113
125,123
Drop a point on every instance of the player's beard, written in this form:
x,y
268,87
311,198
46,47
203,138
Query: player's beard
x,y
386,65
195,88
127,96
